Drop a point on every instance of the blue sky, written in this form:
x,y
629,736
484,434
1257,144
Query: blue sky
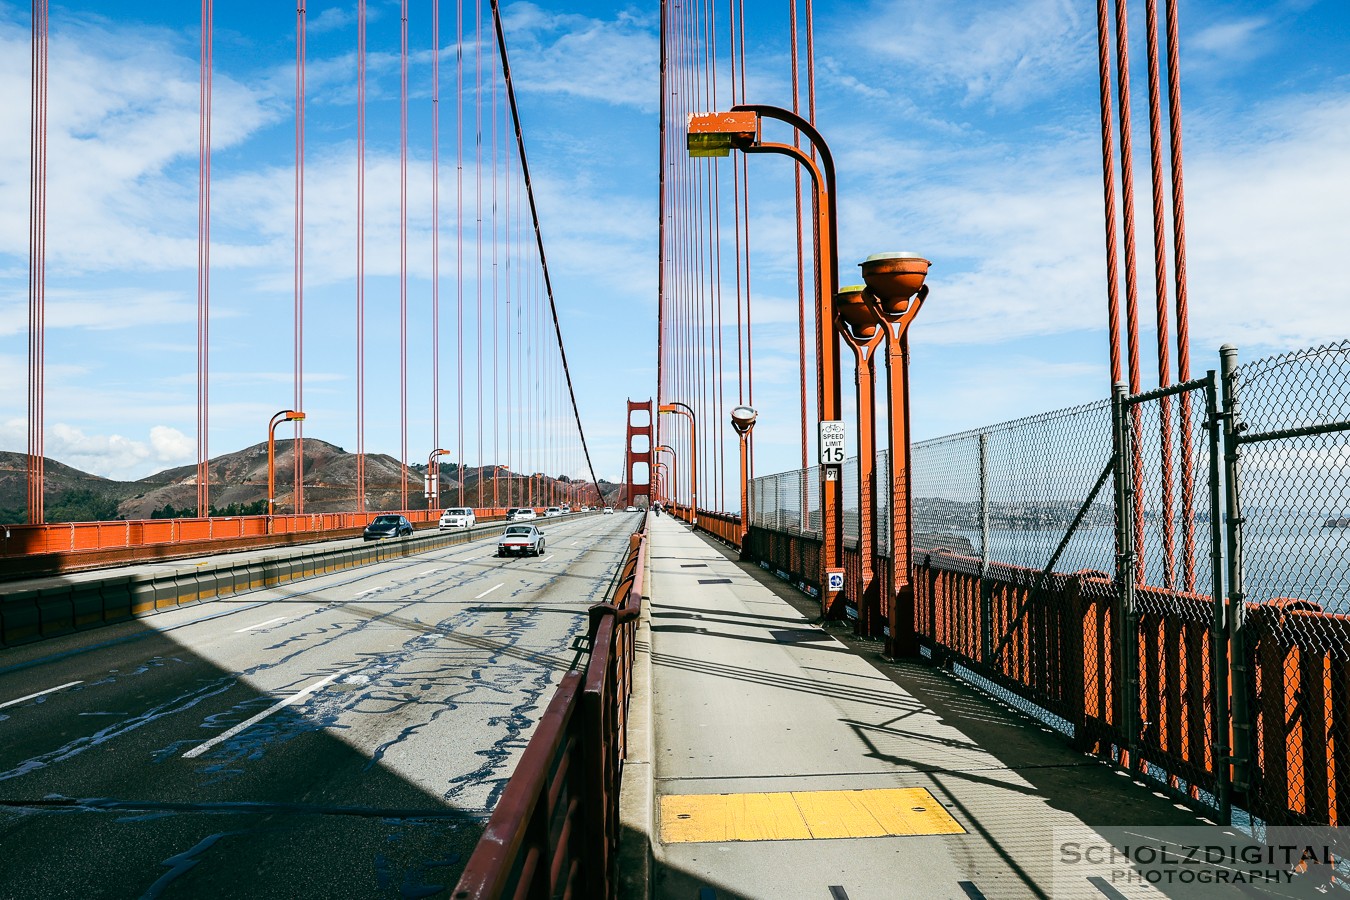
x,y
963,130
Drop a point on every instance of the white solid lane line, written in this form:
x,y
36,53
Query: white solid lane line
x,y
40,693
294,698
262,624
489,590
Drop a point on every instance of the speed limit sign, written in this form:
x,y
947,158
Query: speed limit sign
x,y
832,443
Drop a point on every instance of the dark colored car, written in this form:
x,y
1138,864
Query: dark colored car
x,y
387,527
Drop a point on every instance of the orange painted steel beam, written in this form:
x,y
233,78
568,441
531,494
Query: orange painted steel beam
x,y
896,293
861,329
718,133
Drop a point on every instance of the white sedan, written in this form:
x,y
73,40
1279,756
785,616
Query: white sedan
x,y
521,540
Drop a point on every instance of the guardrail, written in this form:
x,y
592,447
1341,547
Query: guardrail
x,y
29,551
33,611
555,831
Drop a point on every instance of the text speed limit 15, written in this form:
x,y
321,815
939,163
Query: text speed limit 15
x,y
832,434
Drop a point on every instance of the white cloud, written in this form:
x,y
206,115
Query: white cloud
x,y
111,455
123,112
170,445
1238,37
1008,55
100,310
594,59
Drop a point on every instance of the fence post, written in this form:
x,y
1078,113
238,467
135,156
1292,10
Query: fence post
x,y
1240,677
986,608
1127,644
1218,638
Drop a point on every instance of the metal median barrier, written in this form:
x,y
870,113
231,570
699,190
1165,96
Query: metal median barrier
x,y
34,551
36,610
555,831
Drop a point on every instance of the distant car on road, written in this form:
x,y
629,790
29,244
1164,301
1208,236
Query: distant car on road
x,y
387,527
608,511
552,512
522,514
458,517
521,540
631,509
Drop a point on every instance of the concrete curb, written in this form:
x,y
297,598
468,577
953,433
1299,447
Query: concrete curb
x,y
636,793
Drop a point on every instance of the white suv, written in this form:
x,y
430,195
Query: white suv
x,y
458,517
552,512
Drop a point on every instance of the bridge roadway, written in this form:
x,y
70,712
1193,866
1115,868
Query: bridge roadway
x,y
385,707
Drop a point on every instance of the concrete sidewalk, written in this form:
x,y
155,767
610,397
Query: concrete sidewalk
x,y
785,762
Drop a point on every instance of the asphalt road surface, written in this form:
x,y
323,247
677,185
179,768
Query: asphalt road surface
x,y
342,736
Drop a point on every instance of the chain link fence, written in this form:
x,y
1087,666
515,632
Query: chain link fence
x,y
788,502
1289,538
1165,577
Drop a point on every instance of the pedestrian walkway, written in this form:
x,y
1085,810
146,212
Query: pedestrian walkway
x,y
787,763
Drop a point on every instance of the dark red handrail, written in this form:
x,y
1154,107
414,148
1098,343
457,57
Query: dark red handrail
x,y
555,831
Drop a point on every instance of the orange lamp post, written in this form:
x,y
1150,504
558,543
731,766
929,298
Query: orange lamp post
x,y
895,292
676,406
743,420
286,415
674,484
716,134
860,327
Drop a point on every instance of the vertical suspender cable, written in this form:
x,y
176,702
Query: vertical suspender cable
x,y
434,470
745,212
719,356
539,236
1109,190
797,197
299,502
1160,285
37,267
204,263
1127,192
661,235
478,217
1183,323
459,241
403,255
361,256
826,329
496,341
1131,284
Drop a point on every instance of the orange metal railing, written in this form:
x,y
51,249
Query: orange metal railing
x,y
75,537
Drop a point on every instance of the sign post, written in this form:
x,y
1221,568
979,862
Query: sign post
x,y
831,457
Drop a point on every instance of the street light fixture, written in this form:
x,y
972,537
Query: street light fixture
x,y
683,409
860,327
433,491
674,484
286,415
716,134
743,420
895,292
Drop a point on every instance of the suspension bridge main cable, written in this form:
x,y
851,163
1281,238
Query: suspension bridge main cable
x,y
538,233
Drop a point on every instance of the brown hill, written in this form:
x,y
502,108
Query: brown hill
x,y
239,486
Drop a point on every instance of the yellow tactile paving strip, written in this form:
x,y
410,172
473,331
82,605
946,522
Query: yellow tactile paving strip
x,y
803,815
